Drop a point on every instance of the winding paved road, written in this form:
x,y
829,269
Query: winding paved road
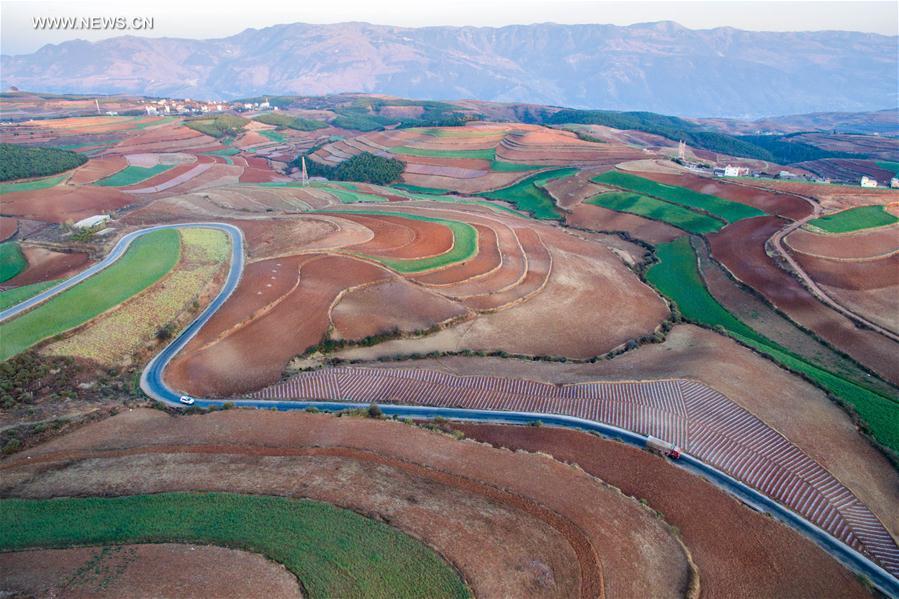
x,y
154,386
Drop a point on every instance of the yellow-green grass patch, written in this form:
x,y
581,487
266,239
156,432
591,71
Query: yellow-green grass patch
x,y
119,333
148,259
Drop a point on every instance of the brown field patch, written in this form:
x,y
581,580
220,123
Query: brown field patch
x,y
164,570
260,328
590,304
495,514
801,412
741,248
597,218
8,227
857,275
402,238
98,168
487,260
781,204
392,305
61,204
850,246
739,552
47,265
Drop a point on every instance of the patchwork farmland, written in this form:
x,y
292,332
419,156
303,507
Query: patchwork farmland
x,y
451,255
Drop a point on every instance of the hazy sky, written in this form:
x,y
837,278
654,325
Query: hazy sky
x,y
220,18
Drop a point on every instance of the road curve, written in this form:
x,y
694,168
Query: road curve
x,y
153,384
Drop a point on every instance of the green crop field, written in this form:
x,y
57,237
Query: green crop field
x,y
465,242
889,166
854,219
676,276
12,261
272,135
146,261
528,194
421,190
334,552
133,174
11,297
34,185
633,203
725,209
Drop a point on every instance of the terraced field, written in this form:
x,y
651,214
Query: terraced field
x,y
648,207
854,219
146,261
724,209
677,277
696,418
333,552
529,196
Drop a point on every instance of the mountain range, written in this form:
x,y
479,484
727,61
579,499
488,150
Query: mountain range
x,y
661,67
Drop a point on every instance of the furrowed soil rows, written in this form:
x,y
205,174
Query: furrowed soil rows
x,y
739,552
698,419
495,514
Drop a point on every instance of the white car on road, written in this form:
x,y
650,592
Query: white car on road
x,y
187,399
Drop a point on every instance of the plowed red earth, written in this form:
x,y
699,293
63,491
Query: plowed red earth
x,y
598,218
867,274
8,227
278,311
98,168
46,265
396,304
864,244
494,514
781,204
741,248
487,260
403,238
164,570
60,204
739,552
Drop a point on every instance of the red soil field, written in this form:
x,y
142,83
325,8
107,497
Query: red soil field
x,y
496,515
163,570
46,265
62,203
598,218
402,238
249,341
571,191
98,168
785,402
8,227
486,261
553,147
383,307
704,423
474,164
851,246
539,264
741,248
781,204
855,275
833,197
739,552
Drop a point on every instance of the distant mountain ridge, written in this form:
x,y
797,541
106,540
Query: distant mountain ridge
x,y
661,67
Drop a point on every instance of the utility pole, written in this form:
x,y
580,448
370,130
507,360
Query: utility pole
x,y
97,102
